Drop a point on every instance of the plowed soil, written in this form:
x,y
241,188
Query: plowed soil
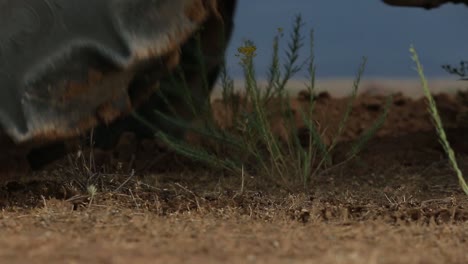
x,y
397,202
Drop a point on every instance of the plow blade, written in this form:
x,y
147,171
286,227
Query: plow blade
x,y
66,66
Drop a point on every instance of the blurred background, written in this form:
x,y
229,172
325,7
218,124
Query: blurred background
x,y
345,31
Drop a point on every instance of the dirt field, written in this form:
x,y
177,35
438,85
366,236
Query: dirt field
x,y
398,202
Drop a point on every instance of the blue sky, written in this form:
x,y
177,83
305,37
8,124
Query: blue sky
x,y
346,30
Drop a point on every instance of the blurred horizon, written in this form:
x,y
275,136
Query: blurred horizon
x,y
346,31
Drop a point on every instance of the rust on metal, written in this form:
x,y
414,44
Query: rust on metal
x,y
172,59
52,132
108,112
77,88
197,11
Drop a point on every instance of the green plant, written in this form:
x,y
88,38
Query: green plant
x,y
461,71
432,108
248,143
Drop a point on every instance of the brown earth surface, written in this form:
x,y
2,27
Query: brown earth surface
x,y
397,202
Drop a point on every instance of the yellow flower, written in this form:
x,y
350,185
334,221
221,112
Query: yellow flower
x,y
247,51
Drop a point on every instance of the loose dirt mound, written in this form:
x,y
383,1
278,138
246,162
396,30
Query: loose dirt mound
x,y
397,202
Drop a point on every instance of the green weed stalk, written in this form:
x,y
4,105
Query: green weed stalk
x,y
250,145
432,108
